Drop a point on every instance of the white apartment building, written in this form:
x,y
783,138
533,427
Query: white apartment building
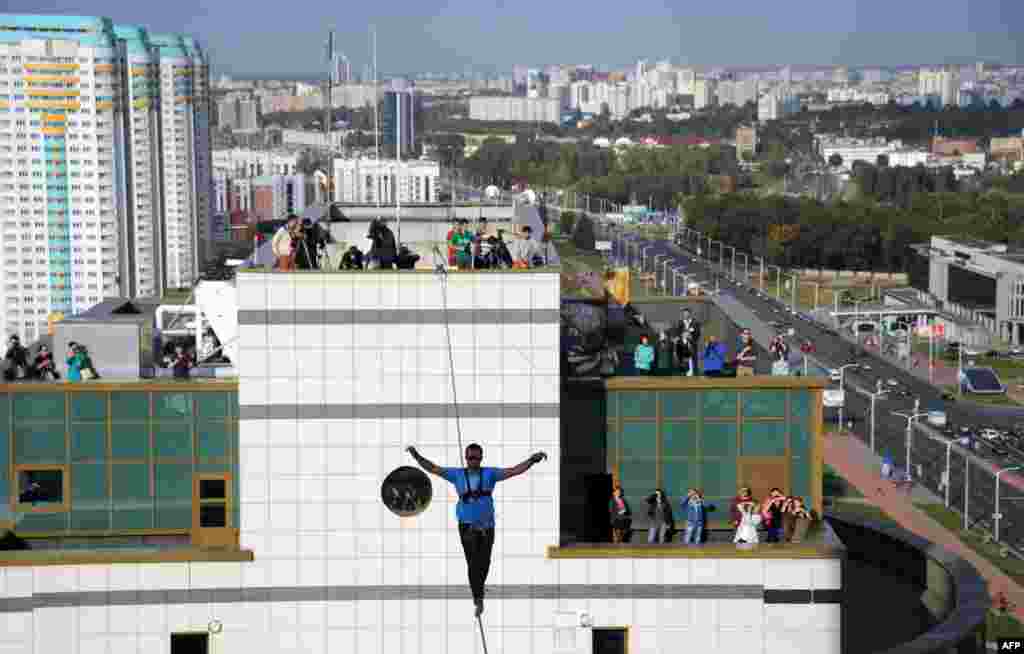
x,y
908,158
91,204
244,163
186,142
737,93
943,83
777,104
851,150
314,138
355,96
853,94
366,180
513,109
238,113
703,93
685,81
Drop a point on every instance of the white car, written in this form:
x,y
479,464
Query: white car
x,y
990,434
972,351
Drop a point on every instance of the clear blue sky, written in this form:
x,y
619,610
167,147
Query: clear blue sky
x,y
288,37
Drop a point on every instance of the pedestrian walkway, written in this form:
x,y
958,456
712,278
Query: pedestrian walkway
x,y
862,468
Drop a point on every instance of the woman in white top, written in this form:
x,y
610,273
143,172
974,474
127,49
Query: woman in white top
x,y
750,518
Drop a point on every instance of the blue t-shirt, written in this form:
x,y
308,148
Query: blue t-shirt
x,y
480,511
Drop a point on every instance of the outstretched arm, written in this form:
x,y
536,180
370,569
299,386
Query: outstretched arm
x,y
508,473
429,466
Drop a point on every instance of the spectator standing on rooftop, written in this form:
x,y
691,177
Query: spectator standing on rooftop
x,y
182,364
75,362
17,359
644,356
746,357
659,510
523,249
44,364
696,512
688,332
664,355
734,513
714,357
281,245
772,515
461,241
621,515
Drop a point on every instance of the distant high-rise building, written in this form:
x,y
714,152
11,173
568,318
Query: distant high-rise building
x,y
642,68
786,75
399,121
121,119
704,93
945,84
368,180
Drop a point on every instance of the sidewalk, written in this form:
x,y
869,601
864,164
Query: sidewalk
x,y
862,468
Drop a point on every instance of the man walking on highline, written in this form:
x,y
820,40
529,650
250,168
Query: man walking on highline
x,y
475,510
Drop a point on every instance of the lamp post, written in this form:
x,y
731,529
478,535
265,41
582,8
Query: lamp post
x,y
910,417
664,276
778,287
760,277
842,379
643,257
999,516
654,268
746,266
817,288
732,262
710,241
880,392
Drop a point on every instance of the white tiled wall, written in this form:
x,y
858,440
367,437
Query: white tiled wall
x,y
312,515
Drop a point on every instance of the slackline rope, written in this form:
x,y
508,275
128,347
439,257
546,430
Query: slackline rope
x,y
442,273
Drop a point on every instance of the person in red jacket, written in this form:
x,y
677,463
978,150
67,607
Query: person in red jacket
x,y
734,511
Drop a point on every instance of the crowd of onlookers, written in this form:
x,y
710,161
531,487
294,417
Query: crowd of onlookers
x,y
776,519
680,351
19,365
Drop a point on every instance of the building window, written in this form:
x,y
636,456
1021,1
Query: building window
x,y
41,488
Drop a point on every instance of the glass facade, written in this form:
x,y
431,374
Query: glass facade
x,y
131,456
714,439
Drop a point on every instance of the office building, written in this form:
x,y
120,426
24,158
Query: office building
x,y
943,83
244,163
737,93
981,281
851,150
239,113
777,104
120,124
399,119
514,109
366,181
277,196
704,93
746,141
685,81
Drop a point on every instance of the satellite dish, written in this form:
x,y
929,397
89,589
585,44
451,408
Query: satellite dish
x,y
492,192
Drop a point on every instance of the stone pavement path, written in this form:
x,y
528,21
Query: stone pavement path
x,y
862,468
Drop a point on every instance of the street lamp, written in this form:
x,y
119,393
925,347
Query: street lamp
x,y
817,288
778,288
746,266
880,392
643,257
732,262
664,276
910,417
999,516
760,278
842,379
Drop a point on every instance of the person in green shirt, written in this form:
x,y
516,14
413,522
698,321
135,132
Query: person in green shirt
x,y
644,356
461,242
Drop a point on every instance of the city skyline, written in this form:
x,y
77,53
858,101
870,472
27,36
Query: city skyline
x,y
458,36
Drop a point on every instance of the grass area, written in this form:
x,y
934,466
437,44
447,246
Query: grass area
x,y
1000,399
1011,565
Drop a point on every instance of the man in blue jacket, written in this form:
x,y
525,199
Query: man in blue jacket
x,y
714,358
475,510
696,512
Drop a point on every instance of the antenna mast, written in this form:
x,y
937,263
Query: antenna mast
x,y
376,119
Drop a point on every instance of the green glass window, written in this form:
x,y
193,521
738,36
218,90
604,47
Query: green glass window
x,y
129,440
679,404
213,405
718,439
39,443
613,404
233,399
800,476
677,476
679,439
213,438
90,520
129,482
173,481
719,404
764,438
39,406
89,441
129,406
638,405
89,485
639,441
718,478
764,404
800,404
88,406
614,440
800,439
41,522
639,478
172,405
5,411
173,514
172,439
